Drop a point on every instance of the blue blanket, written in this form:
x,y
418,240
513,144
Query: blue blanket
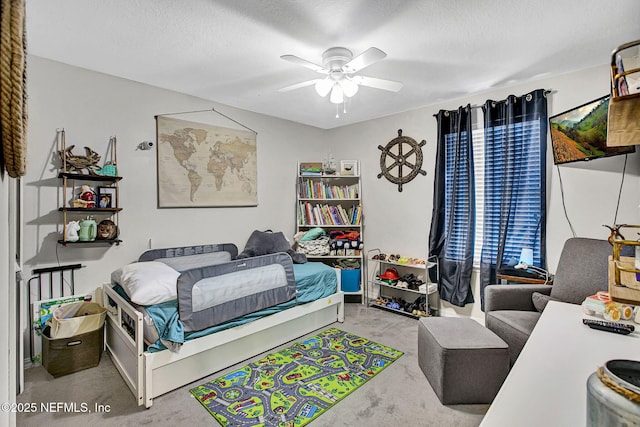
x,y
314,280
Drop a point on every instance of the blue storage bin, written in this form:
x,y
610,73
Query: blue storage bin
x,y
350,280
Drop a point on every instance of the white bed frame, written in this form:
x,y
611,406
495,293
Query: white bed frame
x,y
149,375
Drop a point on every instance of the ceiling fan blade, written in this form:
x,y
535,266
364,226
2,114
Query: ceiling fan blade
x,y
389,85
299,85
299,61
366,58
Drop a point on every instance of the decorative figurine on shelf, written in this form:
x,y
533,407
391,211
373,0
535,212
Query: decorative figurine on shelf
x,y
76,163
88,196
109,169
88,230
107,230
72,231
329,165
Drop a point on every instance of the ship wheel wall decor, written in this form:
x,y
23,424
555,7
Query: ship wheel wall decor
x,y
401,152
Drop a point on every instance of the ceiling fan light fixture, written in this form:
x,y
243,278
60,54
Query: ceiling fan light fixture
x,y
323,87
349,87
337,96
356,79
339,67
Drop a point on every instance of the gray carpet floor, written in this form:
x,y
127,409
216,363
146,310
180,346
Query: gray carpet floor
x,y
400,395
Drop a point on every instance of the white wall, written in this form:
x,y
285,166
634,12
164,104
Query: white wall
x,y
92,106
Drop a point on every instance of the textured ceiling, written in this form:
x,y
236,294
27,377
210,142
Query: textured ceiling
x,y
228,51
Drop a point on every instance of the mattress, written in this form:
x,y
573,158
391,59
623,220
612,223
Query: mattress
x,y
163,329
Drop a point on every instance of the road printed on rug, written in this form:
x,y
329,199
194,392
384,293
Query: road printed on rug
x,y
292,387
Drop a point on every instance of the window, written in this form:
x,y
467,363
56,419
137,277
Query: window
x,y
489,191
513,191
507,160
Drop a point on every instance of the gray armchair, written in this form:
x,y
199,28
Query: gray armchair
x,y
512,311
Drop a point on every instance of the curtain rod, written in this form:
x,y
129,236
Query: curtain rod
x,y
203,111
546,92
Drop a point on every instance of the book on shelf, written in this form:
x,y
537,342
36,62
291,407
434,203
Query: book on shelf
x,y
335,215
324,214
317,189
343,215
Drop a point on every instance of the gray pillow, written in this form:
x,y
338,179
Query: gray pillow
x,y
540,300
268,242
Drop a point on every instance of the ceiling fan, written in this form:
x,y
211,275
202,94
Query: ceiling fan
x,y
340,68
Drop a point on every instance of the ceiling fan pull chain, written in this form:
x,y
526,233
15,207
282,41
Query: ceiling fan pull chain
x,y
337,112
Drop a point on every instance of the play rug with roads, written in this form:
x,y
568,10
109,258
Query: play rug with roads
x,y
295,385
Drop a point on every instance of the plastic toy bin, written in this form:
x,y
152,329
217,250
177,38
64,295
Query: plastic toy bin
x,y
350,280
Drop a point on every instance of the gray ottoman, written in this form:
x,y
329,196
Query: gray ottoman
x,y
463,361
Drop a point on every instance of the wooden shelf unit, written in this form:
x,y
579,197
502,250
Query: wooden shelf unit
x,y
71,181
332,195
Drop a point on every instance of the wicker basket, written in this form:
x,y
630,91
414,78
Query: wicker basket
x,y
77,203
623,125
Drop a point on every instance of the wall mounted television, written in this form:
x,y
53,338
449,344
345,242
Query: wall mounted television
x,y
580,133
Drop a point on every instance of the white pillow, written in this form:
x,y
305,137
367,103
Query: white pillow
x,y
147,283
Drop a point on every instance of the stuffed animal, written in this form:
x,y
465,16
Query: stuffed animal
x,y
88,195
72,231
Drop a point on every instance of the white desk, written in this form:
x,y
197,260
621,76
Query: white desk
x,y
547,386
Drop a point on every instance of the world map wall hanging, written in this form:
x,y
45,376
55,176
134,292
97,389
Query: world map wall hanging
x,y
201,165
401,159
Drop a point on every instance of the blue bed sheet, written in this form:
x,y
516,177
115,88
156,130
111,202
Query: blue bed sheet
x,y
314,280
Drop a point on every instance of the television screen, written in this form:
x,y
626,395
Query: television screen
x,y
581,133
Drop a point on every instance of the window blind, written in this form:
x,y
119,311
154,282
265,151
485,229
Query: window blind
x,y
457,203
512,163
478,166
504,157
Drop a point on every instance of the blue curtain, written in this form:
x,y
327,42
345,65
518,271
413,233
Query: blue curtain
x,y
452,225
515,198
